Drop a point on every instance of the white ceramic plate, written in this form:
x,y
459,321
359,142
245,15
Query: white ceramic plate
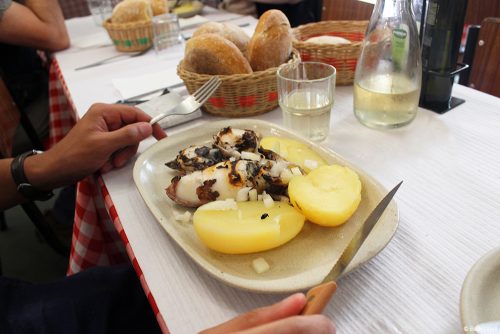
x,y
480,297
299,264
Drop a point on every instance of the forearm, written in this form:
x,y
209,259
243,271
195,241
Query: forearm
x,y
49,12
36,23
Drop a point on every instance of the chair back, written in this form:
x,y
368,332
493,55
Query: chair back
x,y
485,71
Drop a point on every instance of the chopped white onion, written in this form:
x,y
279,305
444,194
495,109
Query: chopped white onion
x,y
232,159
268,200
260,265
242,194
250,156
259,197
183,218
311,164
225,205
286,175
252,194
277,168
296,171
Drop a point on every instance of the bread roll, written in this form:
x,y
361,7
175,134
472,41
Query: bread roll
x,y
132,11
213,54
271,43
333,40
159,7
230,31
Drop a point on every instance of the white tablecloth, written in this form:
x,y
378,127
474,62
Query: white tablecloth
x,y
449,214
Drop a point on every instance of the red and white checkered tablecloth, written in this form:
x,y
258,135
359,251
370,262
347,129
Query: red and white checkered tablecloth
x,y
62,113
98,236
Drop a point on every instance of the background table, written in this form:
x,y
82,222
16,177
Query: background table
x,y
449,216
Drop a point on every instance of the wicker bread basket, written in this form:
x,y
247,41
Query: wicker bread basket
x,y
239,95
343,57
132,36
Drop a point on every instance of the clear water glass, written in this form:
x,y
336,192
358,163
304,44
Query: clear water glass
x,y
100,10
306,95
166,32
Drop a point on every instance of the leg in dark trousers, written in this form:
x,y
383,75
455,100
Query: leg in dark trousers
x,y
306,11
98,300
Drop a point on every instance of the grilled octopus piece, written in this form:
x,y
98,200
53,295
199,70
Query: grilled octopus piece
x,y
195,158
232,141
223,180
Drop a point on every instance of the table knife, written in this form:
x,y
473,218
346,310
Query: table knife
x,y
318,296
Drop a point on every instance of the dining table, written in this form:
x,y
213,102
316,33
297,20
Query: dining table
x,y
448,205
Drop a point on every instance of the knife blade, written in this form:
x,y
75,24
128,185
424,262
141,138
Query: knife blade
x,y
318,296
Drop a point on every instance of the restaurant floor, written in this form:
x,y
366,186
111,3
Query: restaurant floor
x,y
23,254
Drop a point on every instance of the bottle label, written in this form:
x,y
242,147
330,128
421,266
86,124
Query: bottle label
x,y
400,47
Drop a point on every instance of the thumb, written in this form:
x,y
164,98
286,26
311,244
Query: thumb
x,y
130,135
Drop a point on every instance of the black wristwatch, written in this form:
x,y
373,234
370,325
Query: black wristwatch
x,y
24,187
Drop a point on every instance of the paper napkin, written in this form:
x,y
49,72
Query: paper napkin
x,y
192,21
133,86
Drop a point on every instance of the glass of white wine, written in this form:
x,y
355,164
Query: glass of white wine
x,y
306,95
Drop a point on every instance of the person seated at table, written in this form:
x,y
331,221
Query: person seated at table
x,y
26,29
297,11
107,299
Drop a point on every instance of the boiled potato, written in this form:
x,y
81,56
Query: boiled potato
x,y
247,227
293,151
327,196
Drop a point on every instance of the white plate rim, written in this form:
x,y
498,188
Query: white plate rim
x,y
366,252
474,281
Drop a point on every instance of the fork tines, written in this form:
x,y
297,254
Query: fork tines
x,y
204,92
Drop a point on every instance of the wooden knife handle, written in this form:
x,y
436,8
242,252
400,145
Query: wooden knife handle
x,y
318,297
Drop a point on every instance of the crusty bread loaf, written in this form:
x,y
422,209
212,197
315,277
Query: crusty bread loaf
x,y
271,43
227,30
159,7
213,54
132,11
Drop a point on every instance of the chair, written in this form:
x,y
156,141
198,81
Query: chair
x,y
346,10
10,118
485,67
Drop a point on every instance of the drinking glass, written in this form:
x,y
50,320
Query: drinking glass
x,y
306,95
166,32
100,10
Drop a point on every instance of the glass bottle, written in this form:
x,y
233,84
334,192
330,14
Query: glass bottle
x,y
389,71
440,47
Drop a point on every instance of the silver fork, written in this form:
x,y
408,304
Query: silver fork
x,y
106,60
192,102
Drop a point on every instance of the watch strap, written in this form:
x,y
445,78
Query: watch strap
x,y
24,187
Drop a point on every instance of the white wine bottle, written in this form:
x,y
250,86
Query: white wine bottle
x,y
388,73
